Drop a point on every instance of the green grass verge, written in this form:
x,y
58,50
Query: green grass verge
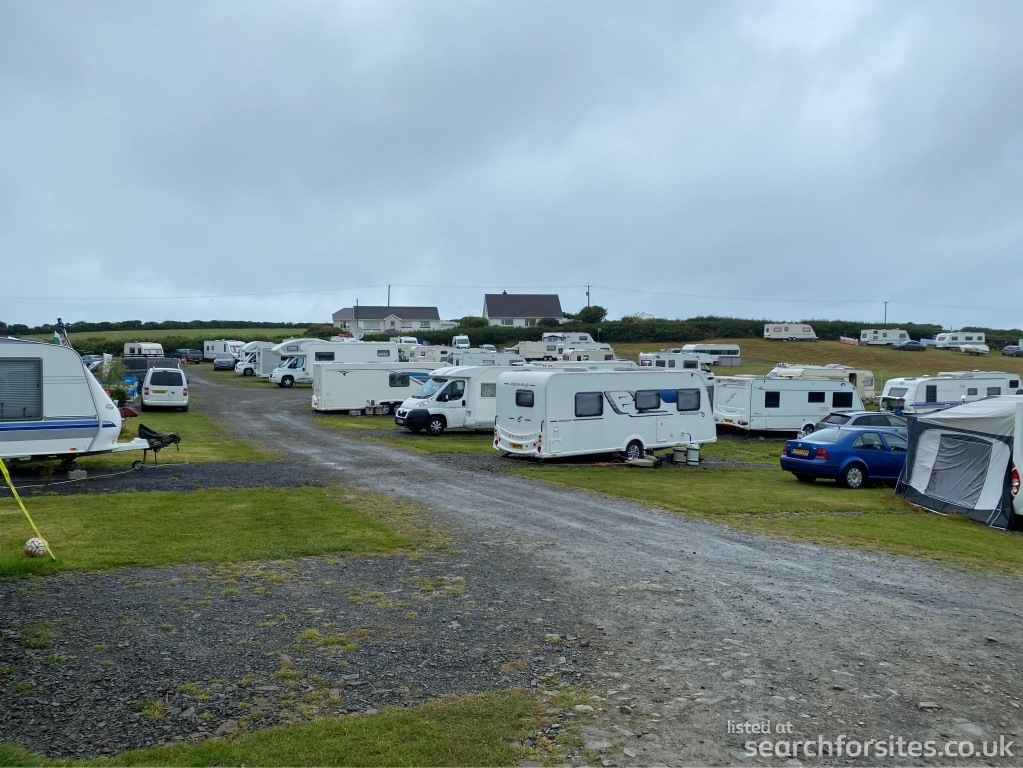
x,y
772,501
455,731
764,451
221,526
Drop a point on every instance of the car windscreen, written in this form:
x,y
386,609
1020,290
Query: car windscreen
x,y
827,436
165,379
430,388
835,418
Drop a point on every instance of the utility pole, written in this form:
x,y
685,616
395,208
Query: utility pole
x,y
886,312
388,295
587,294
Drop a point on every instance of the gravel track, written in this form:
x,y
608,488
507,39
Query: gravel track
x,y
694,624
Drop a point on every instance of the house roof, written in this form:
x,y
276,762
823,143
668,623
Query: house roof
x,y
522,305
367,312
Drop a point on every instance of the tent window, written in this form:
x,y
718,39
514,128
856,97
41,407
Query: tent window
x,y
841,399
772,399
960,470
21,389
815,397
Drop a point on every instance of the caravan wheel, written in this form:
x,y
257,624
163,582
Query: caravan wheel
x,y
386,409
634,450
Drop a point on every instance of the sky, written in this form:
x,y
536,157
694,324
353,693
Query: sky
x,y
277,161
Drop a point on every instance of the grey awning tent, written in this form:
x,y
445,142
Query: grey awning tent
x,y
960,461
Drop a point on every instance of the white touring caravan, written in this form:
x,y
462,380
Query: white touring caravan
x,y
924,394
720,354
377,388
789,332
953,339
761,403
51,406
455,397
483,357
299,367
257,359
210,349
438,354
545,413
677,360
861,379
146,348
588,353
882,336
552,345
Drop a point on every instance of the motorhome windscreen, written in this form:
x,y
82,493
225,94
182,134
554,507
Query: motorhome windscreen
x,y
21,389
430,388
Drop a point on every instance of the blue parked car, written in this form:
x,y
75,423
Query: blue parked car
x,y
852,457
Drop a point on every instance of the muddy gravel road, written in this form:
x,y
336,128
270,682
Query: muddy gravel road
x,y
705,629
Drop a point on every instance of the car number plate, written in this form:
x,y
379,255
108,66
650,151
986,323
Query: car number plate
x,y
399,420
727,421
516,446
159,391
800,452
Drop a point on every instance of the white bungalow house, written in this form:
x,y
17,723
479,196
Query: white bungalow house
x,y
403,320
521,309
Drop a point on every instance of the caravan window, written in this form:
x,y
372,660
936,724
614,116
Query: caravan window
x,y
841,399
524,398
383,353
324,357
687,399
589,404
772,399
647,399
21,389
488,389
931,393
398,380
815,397
971,391
1013,383
994,391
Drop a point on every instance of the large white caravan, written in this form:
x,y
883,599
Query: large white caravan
x,y
51,406
210,349
455,397
147,348
882,336
432,354
299,367
587,353
720,354
772,404
954,339
538,350
863,380
553,345
483,357
547,412
670,360
924,394
257,359
366,387
789,332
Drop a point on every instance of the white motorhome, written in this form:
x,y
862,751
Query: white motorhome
x,y
882,336
144,348
789,332
460,341
299,367
565,337
951,339
924,394
51,406
210,349
431,354
377,388
863,380
455,397
547,413
257,359
720,354
772,404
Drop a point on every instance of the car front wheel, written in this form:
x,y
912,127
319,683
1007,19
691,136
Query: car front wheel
x,y
855,476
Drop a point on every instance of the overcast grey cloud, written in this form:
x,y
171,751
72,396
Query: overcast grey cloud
x,y
281,160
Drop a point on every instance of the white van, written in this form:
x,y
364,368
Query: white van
x,y
545,412
165,388
460,342
455,397
771,404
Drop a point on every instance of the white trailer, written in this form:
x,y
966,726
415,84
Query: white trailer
x,y
210,349
538,350
567,337
483,357
772,404
377,388
51,406
954,339
924,394
144,348
455,397
431,354
789,332
587,353
719,354
862,379
882,336
299,367
546,413
257,359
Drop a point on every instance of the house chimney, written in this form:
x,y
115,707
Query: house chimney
x,y
504,293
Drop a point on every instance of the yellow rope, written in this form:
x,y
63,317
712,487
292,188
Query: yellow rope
x,y
7,477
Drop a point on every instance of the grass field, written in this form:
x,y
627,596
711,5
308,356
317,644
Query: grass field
x,y
221,525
